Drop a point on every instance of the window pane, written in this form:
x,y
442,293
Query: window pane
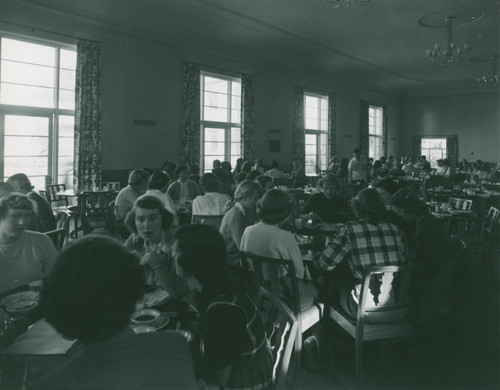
x,y
29,165
214,99
324,125
323,162
67,59
66,146
28,52
235,134
209,161
67,99
311,149
324,105
215,85
21,95
215,114
15,72
235,116
311,102
233,160
65,166
236,88
235,102
323,141
310,139
67,79
66,180
26,146
26,125
212,148
235,148
212,134
66,126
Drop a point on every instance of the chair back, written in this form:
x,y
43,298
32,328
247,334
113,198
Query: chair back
x,y
53,198
281,328
267,271
212,220
460,204
490,223
97,211
57,236
44,194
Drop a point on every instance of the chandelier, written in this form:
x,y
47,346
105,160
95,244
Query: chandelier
x,y
338,3
450,53
492,80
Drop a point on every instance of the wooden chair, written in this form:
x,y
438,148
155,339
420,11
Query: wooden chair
x,y
97,212
460,204
212,220
57,236
362,331
488,239
281,327
279,287
62,222
44,195
61,203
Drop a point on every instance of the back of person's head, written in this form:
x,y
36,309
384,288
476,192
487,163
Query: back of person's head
x,y
5,188
388,185
274,206
194,169
247,189
446,162
209,182
239,162
158,181
92,289
15,201
200,250
216,164
180,168
377,165
148,170
407,199
328,180
252,175
169,166
246,167
138,178
20,182
226,165
274,164
368,205
263,181
220,173
240,176
356,151
151,203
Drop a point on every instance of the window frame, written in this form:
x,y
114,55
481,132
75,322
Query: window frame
x,y
227,126
318,133
379,137
428,156
52,113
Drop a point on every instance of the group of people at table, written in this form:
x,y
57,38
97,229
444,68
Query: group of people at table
x,y
90,289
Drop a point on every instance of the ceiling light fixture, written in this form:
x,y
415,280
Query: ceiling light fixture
x,y
451,53
490,81
338,3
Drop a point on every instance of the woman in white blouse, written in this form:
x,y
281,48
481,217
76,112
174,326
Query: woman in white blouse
x,y
213,202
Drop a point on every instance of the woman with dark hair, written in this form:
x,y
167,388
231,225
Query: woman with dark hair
x,y
266,182
239,164
183,188
150,224
233,352
368,242
267,239
137,182
89,296
213,202
25,256
254,174
241,214
246,167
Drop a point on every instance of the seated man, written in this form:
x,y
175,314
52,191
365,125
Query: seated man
x,y
137,182
183,188
274,172
45,221
213,202
327,205
90,296
366,243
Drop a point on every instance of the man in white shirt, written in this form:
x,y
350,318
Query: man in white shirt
x,y
274,172
357,167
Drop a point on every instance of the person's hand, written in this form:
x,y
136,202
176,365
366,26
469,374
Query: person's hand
x,y
315,218
151,259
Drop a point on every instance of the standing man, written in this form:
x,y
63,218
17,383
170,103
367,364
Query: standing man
x,y
357,167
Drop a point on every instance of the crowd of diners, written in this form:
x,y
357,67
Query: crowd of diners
x,y
91,287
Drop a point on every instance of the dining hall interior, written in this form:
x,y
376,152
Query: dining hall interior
x,y
297,194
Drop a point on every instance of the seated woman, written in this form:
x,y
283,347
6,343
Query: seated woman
x,y
266,182
267,239
25,256
157,185
238,217
183,188
298,175
233,352
89,296
125,199
213,202
151,227
327,205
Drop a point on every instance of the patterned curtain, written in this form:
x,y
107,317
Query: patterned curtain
x,y
298,126
190,142
363,129
417,146
332,126
385,126
452,149
248,116
88,126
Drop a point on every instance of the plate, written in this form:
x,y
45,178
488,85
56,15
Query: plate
x,y
20,296
163,321
22,306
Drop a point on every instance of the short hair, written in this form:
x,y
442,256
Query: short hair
x,y
180,168
209,182
329,178
246,167
240,176
246,189
252,175
151,203
274,164
201,251
158,181
274,206
220,173
194,169
22,180
368,205
137,177
17,201
92,289
216,163
226,165
357,150
168,166
263,180
407,200
5,188
387,184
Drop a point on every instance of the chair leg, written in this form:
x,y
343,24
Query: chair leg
x,y
359,362
298,355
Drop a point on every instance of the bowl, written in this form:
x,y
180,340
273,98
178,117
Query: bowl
x,y
148,317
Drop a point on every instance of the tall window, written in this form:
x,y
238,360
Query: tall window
x,y
375,131
37,103
316,129
434,149
220,119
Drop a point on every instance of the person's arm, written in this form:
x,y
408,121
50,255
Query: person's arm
x,y
336,251
49,255
236,228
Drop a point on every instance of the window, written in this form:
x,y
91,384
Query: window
x,y
37,103
375,131
434,149
316,129
220,119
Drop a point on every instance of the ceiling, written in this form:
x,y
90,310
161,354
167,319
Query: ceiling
x,y
379,47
